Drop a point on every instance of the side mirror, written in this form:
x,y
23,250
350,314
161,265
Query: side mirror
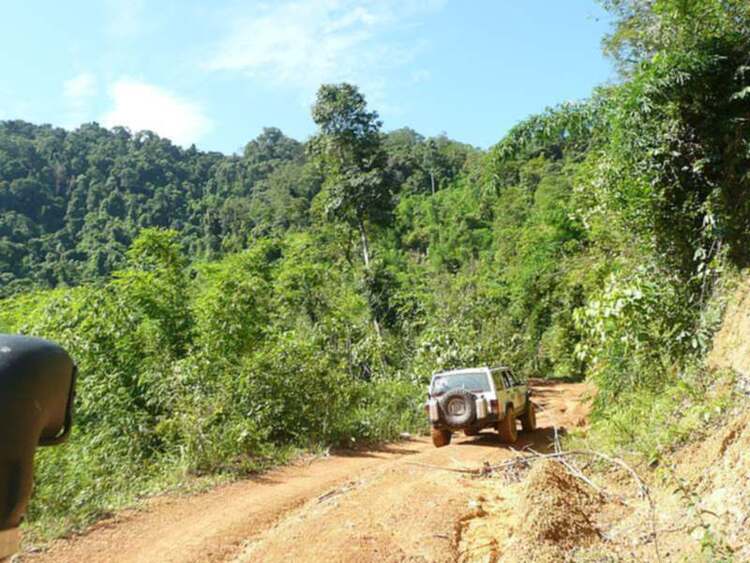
x,y
37,388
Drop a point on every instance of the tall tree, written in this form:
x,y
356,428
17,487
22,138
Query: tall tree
x,y
348,147
643,28
430,161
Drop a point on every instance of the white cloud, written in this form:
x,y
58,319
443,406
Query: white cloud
x,y
303,43
79,93
80,87
139,106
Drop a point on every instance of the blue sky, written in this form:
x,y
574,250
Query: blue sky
x,y
214,73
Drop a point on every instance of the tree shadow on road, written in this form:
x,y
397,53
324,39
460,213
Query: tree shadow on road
x,y
376,450
541,440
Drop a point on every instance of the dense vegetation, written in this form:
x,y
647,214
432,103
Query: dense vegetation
x,y
71,203
225,310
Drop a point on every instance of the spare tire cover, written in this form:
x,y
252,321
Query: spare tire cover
x,y
458,407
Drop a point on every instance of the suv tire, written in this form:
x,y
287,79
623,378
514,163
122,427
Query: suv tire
x,y
459,408
507,427
440,438
528,420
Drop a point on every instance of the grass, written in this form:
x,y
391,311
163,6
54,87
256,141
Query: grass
x,y
126,488
652,424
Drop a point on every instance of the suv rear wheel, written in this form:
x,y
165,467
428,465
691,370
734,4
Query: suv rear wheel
x,y
440,438
507,426
458,408
528,420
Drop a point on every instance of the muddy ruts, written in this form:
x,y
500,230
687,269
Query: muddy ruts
x,y
37,380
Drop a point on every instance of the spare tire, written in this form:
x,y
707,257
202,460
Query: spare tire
x,y
458,408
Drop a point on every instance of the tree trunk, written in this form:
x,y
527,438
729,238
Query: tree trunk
x,y
365,244
366,257
432,182
376,324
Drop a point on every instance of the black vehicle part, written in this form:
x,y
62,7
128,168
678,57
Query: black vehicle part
x,y
458,408
37,383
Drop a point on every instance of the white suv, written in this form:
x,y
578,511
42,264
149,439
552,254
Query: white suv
x,y
476,398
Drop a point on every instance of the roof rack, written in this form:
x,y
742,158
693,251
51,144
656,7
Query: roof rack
x,y
491,369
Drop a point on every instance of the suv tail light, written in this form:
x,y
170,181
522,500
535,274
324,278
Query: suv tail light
x,y
493,406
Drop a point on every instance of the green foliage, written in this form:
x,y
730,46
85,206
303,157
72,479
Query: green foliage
x,y
634,331
222,371
71,203
653,425
349,151
568,127
644,29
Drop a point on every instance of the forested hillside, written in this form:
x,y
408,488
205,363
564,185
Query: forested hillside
x,y
225,309
72,202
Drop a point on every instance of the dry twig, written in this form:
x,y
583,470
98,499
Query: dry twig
x,y
563,457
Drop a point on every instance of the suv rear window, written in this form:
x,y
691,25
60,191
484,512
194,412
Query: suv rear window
x,y
470,381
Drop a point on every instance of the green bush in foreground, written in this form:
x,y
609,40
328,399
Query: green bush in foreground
x,y
221,374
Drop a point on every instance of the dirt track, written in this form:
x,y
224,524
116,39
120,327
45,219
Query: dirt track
x,y
382,505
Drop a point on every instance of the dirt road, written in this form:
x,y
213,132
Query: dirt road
x,y
382,505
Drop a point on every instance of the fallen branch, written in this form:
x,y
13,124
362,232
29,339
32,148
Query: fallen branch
x,y
643,489
452,469
562,457
578,474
